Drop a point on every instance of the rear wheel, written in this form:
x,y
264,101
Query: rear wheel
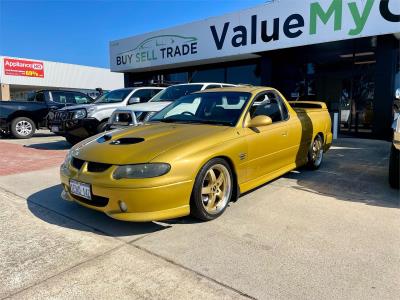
x,y
22,128
212,190
315,153
394,168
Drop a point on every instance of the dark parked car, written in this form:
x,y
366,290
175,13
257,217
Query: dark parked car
x,y
22,118
394,163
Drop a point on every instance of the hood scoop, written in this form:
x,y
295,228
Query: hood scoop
x,y
127,141
104,138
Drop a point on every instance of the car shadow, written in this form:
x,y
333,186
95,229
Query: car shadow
x,y
350,173
48,206
57,145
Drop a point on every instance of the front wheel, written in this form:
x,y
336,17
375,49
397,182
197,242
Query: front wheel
x,y
315,153
212,190
394,168
22,128
102,127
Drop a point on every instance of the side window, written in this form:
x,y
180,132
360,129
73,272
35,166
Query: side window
x,y
283,108
144,95
155,92
213,86
59,97
81,98
40,97
271,105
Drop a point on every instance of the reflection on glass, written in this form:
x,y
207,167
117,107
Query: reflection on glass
x,y
211,75
247,74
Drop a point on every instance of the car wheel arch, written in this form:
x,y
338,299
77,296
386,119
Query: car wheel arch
x,y
229,161
321,135
22,115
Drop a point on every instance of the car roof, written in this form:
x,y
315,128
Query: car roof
x,y
202,83
240,88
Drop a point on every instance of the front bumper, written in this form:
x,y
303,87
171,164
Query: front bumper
x,y
81,128
143,203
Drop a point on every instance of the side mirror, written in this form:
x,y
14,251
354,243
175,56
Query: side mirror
x,y
134,100
259,121
397,94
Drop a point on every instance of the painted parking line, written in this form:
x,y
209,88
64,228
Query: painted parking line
x,y
16,158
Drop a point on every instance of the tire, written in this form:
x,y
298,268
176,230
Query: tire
x,y
394,168
315,153
212,193
22,128
72,139
102,126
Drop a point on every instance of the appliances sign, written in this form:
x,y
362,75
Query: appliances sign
x,y
20,67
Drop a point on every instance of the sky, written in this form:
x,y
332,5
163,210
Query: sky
x,y
79,32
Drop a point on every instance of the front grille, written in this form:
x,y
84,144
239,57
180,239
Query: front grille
x,y
77,163
94,167
62,116
97,167
97,201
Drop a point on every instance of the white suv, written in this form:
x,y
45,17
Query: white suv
x,y
78,122
137,113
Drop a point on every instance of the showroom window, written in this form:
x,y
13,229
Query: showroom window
x,y
211,75
246,74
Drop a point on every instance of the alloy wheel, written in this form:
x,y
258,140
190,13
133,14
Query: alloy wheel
x,y
24,128
216,189
317,151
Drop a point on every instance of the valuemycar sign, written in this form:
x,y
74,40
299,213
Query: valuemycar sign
x,y
276,25
22,67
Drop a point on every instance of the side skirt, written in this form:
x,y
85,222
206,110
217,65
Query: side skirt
x,y
249,185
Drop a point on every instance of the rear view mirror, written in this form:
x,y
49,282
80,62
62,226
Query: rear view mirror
x,y
259,121
134,100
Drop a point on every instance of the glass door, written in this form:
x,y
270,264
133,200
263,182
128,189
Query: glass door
x,y
357,96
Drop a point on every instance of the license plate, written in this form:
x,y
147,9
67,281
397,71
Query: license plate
x,y
80,189
55,128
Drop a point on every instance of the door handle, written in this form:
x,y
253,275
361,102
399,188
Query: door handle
x,y
284,133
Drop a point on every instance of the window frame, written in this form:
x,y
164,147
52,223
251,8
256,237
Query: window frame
x,y
280,100
36,97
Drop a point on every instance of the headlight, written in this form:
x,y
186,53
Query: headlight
x,y
141,171
79,114
67,161
90,110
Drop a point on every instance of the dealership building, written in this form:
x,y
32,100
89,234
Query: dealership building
x,y
20,76
343,52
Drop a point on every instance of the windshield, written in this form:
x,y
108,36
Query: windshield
x,y
114,96
219,108
176,91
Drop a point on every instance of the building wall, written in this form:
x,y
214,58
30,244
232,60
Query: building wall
x,y
61,75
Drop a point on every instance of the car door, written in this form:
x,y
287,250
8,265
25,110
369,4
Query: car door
x,y
267,145
144,95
